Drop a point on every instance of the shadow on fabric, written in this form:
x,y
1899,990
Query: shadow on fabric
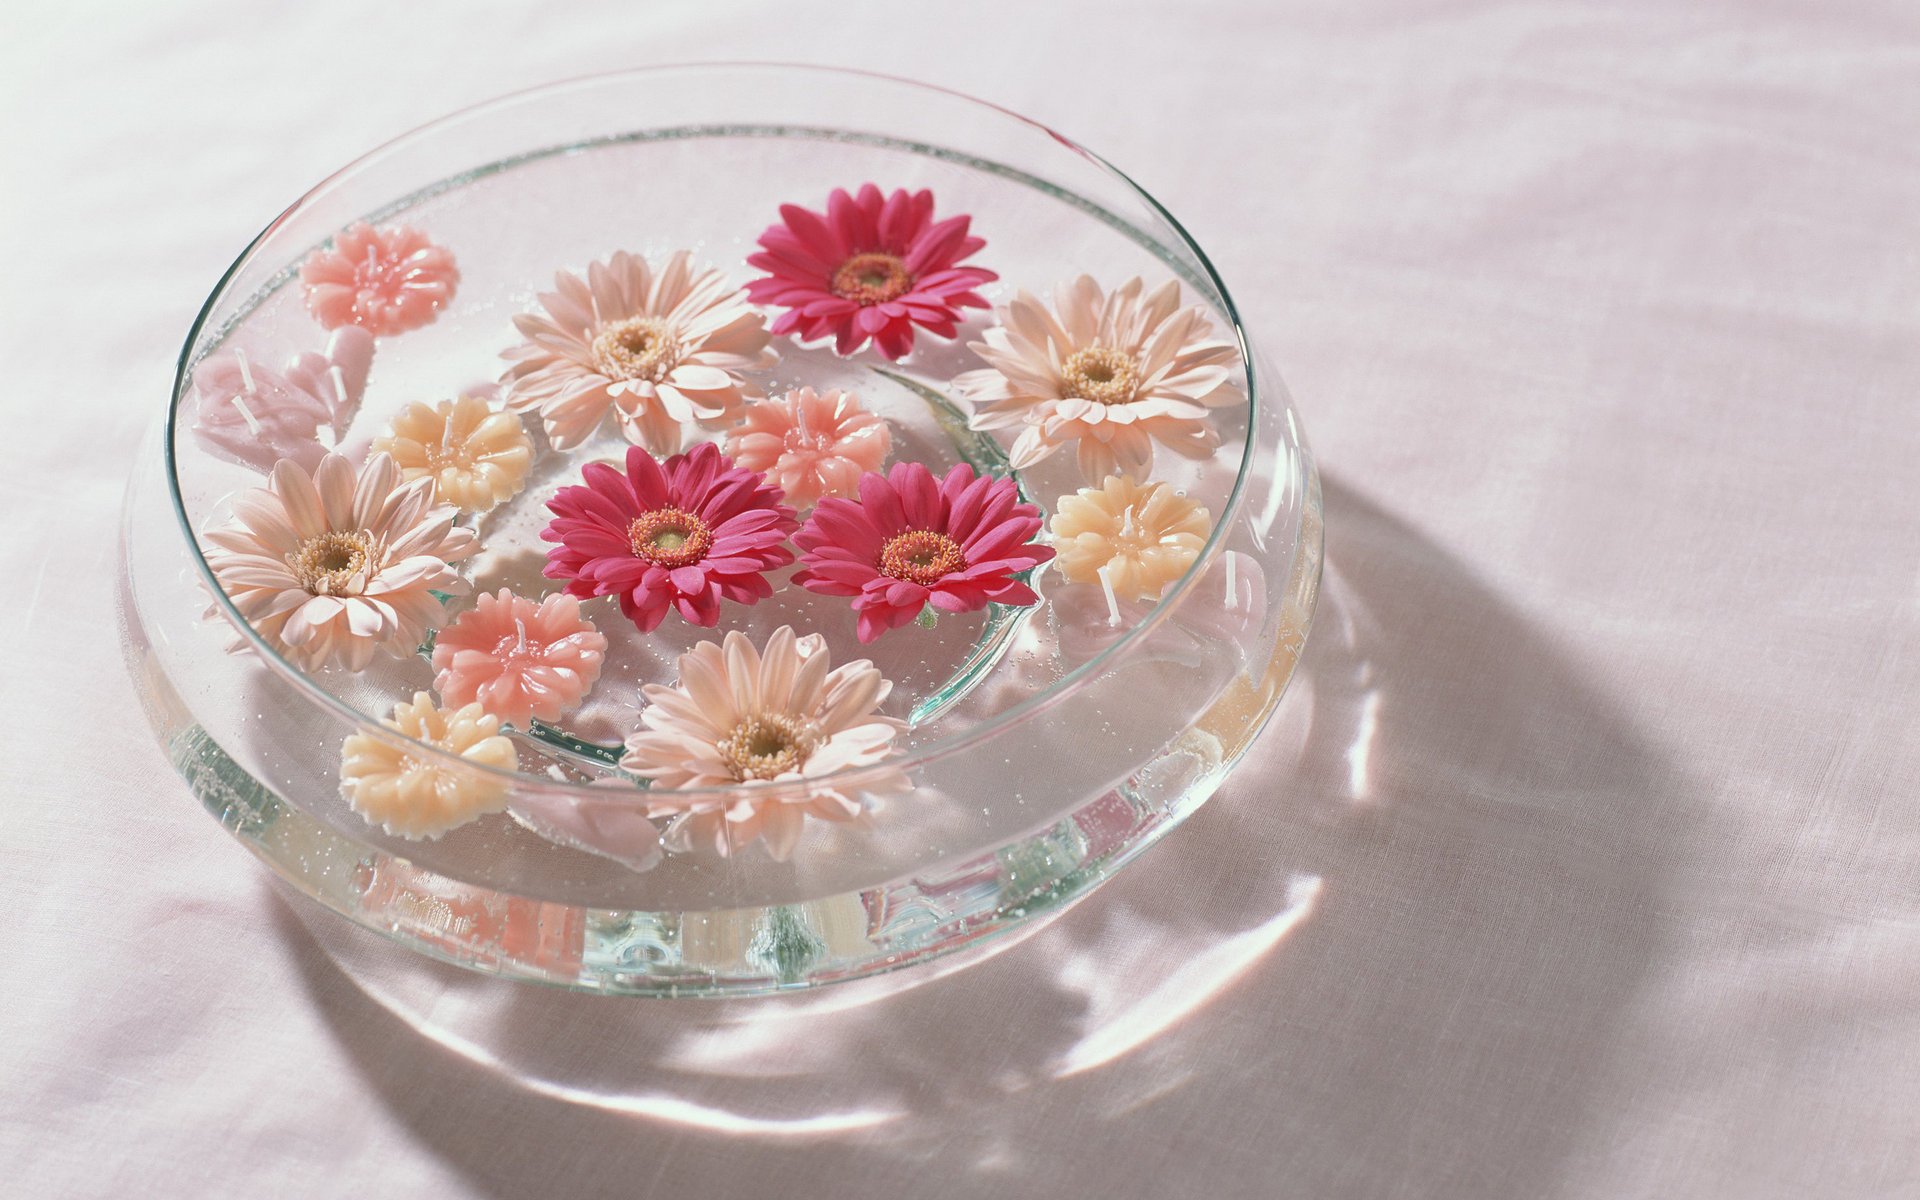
x,y
1389,958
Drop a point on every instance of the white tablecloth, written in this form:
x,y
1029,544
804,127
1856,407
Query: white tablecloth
x,y
1584,860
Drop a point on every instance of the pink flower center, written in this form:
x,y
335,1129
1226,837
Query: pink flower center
x,y
670,537
1099,374
921,556
767,746
330,564
872,278
636,348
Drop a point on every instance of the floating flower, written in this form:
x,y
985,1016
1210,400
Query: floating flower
x,y
476,457
868,268
660,350
1133,539
1111,372
746,716
685,533
422,796
250,414
812,444
385,281
331,565
956,543
518,660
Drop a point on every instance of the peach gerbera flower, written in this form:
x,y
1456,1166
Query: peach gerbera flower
x,y
422,796
386,281
477,458
1131,538
776,716
1111,373
334,565
811,444
658,349
519,660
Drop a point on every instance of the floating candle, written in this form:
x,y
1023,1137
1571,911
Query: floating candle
x,y
421,796
518,660
477,458
1131,538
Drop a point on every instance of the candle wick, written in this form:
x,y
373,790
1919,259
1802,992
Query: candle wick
x,y
520,636
1113,602
246,372
246,414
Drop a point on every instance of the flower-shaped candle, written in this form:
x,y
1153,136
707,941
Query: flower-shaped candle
x,y
332,565
685,534
744,715
250,414
660,349
956,543
1111,373
870,267
1131,538
811,444
385,281
420,796
476,457
518,660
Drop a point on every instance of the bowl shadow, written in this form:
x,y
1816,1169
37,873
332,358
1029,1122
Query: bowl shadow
x,y
1388,958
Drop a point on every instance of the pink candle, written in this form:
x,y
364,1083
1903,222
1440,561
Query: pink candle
x,y
519,660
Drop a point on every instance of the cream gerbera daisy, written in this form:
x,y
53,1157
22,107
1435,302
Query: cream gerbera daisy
x,y
1112,373
477,458
746,716
660,349
1131,538
332,566
419,795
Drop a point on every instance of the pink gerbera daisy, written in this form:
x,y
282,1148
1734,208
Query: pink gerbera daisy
x,y
386,281
955,543
869,267
685,533
812,444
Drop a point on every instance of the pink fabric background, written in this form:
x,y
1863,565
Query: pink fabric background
x,y
1583,862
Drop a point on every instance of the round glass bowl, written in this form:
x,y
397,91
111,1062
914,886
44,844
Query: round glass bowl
x,y
1040,746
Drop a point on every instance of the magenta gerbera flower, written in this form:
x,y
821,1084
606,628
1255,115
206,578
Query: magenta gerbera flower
x,y
686,533
912,540
870,267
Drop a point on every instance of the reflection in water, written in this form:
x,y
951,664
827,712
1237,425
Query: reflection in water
x,y
1361,751
1487,915
1185,990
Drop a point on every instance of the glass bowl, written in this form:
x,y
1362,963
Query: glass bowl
x,y
1042,745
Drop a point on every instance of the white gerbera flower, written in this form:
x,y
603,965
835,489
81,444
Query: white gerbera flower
x,y
746,716
332,566
1112,373
659,349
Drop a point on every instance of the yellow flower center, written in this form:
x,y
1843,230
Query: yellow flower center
x,y
1100,374
332,564
767,745
921,556
872,278
636,348
670,537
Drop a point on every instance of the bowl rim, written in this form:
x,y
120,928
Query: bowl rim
x,y
524,783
